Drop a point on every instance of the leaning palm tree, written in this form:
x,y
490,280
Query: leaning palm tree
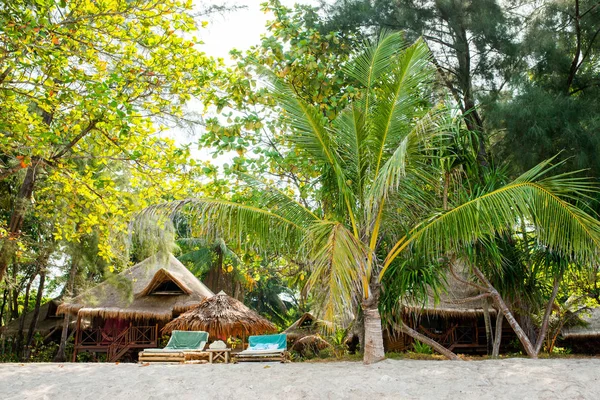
x,y
376,207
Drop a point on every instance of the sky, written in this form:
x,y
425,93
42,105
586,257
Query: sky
x,y
239,30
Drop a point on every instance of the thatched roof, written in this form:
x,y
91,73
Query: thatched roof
x,y
451,301
306,325
222,316
158,287
310,343
589,329
47,320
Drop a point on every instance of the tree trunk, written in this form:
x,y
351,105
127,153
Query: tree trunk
x,y
502,307
373,346
22,202
36,311
13,301
445,191
489,338
472,118
5,294
575,63
70,291
523,338
60,354
19,346
526,321
404,328
547,314
498,335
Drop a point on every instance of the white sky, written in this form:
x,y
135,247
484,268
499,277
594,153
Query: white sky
x,y
233,30
240,29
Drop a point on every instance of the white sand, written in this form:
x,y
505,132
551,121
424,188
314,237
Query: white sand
x,y
390,379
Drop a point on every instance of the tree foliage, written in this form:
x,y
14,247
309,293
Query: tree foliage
x,y
88,89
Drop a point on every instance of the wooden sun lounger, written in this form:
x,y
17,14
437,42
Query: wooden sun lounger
x,y
173,356
257,354
281,356
177,350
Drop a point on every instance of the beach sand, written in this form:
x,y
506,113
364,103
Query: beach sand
x,y
390,379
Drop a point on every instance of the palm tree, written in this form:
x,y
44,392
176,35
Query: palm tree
x,y
375,205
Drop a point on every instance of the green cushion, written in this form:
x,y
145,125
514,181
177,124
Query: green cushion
x,y
276,342
187,340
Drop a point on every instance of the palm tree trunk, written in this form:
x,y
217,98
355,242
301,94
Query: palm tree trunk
x,y
489,338
404,328
498,335
373,346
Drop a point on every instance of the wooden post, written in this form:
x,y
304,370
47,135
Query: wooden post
x,y
77,337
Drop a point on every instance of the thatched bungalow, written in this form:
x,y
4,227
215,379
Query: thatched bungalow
x,y
585,336
450,320
306,325
126,311
222,317
49,323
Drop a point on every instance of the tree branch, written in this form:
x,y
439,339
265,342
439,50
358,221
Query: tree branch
x,y
75,140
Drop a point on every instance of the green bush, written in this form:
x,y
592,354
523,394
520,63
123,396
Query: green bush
x,y
422,348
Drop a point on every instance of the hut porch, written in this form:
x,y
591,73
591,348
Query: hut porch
x,y
462,334
115,341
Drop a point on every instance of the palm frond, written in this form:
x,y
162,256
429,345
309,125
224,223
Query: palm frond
x,y
409,153
237,223
375,60
350,135
276,201
312,136
396,104
338,267
558,224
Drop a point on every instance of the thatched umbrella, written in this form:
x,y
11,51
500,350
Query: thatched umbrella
x,y
222,316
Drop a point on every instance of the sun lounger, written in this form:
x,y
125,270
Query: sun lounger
x,y
182,346
265,348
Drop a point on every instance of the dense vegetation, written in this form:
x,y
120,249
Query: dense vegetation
x,y
358,164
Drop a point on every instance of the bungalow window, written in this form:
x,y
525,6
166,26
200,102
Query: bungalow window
x,y
168,288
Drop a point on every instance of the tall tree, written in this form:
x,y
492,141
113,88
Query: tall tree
x,y
84,80
472,43
552,102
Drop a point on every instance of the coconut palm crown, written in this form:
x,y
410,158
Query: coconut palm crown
x,y
375,176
